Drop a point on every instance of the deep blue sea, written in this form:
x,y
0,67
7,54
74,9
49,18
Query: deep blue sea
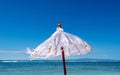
x,y
56,68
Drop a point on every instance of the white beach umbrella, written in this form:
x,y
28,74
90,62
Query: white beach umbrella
x,y
60,43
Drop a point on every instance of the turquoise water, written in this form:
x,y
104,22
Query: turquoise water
x,y
56,68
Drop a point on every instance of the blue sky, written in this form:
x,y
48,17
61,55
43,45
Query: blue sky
x,y
27,23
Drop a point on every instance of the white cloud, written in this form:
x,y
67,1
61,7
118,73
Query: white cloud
x,y
13,55
12,51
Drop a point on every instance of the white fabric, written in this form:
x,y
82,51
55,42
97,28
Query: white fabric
x,y
72,44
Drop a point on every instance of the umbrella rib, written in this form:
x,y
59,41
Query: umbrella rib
x,y
55,41
56,51
67,38
69,43
77,48
69,51
56,47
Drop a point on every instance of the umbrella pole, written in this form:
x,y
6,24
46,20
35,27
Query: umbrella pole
x,y
63,59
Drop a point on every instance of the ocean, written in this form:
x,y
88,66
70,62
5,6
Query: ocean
x,y
43,67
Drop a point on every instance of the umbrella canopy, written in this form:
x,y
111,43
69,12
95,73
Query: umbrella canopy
x,y
61,43
72,45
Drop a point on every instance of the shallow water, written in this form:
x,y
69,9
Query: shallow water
x,y
56,68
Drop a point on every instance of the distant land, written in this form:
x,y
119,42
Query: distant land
x,y
68,60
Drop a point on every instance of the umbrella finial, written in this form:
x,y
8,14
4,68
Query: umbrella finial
x,y
59,25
